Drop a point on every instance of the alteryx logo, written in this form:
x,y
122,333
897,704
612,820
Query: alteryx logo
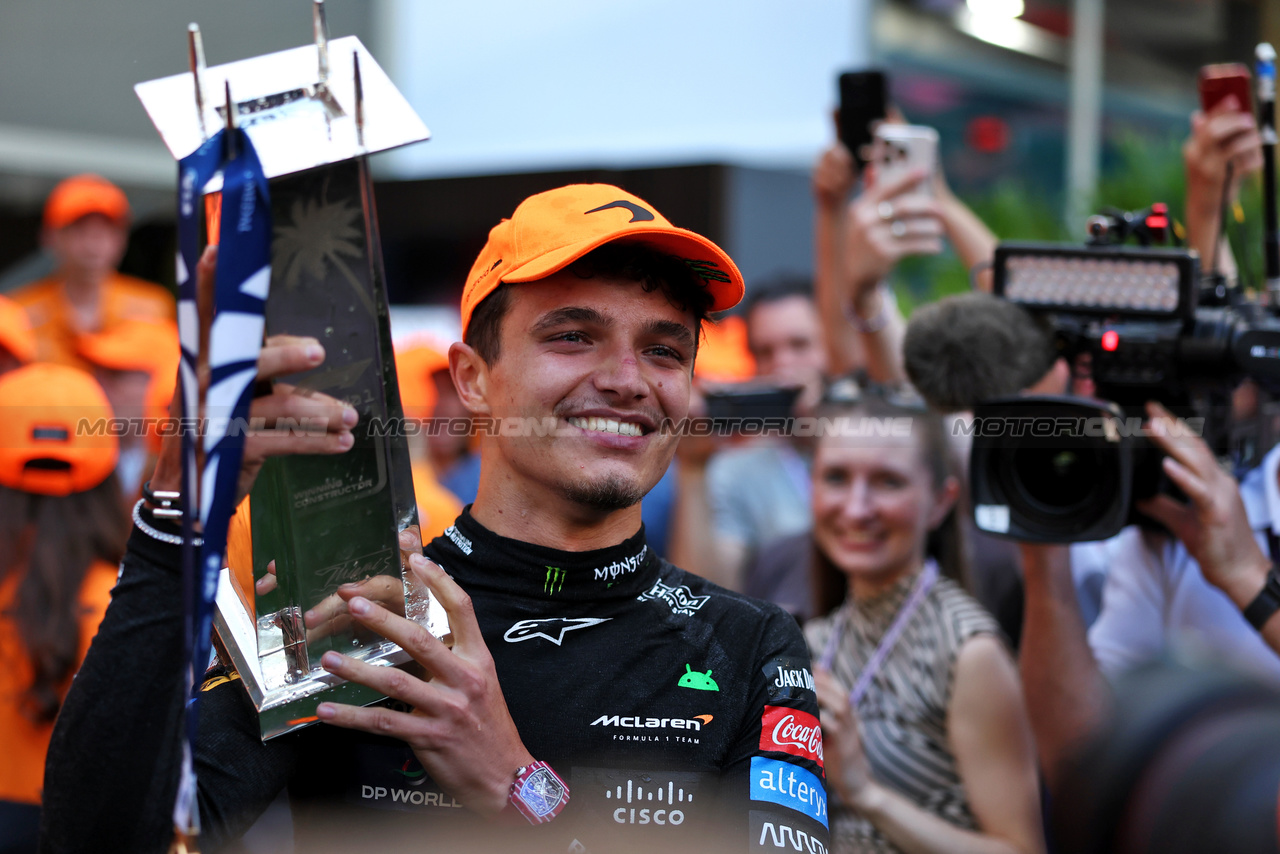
x,y
790,786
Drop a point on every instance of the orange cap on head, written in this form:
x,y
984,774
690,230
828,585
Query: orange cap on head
x,y
416,361
723,356
52,439
15,331
140,345
551,230
82,195
133,345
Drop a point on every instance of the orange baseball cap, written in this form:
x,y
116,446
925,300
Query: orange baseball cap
x,y
133,345
140,345
723,356
82,195
416,361
48,441
551,230
15,331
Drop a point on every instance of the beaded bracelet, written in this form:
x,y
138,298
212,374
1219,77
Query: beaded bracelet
x,y
171,539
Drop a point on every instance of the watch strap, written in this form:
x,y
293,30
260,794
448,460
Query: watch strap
x,y
1266,603
538,793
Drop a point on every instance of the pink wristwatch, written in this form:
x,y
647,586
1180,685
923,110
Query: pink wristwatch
x,y
538,793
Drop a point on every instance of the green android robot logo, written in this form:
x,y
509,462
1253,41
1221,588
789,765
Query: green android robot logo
x,y
698,681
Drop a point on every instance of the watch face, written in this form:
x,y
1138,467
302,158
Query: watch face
x,y
541,792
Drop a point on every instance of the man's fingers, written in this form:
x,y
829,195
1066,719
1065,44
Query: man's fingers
x,y
324,611
1174,438
266,583
377,720
410,542
260,444
302,411
391,681
917,246
386,590
900,185
1173,514
413,638
1194,486
917,208
454,600
1222,126
282,355
917,228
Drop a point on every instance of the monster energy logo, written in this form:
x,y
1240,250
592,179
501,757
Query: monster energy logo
x,y
555,580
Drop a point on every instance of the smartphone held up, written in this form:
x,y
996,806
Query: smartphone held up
x,y
899,149
864,101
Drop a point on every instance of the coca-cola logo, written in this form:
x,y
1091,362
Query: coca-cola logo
x,y
791,731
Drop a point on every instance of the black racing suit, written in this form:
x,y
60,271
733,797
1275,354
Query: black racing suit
x,y
681,715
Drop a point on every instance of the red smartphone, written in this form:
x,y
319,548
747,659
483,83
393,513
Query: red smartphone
x,y
1219,81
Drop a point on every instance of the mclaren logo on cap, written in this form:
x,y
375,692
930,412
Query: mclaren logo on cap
x,y
638,214
483,275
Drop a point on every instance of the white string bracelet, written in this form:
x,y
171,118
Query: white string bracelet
x,y
171,539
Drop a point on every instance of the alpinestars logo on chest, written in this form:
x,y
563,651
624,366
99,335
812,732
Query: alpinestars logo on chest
x,y
550,628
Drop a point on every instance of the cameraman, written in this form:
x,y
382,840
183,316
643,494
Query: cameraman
x,y
957,353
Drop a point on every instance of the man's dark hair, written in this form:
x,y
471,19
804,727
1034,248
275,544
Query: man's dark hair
x,y
636,262
776,289
967,348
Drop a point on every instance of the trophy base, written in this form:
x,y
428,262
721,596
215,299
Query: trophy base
x,y
286,699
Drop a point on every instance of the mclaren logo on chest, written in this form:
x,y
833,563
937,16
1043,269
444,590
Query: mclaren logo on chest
x,y
551,628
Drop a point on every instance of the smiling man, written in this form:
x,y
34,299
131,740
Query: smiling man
x,y
592,688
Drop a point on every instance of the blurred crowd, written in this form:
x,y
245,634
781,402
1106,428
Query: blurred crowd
x,y
956,672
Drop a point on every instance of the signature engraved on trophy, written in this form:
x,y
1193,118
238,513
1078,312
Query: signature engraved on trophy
x,y
357,569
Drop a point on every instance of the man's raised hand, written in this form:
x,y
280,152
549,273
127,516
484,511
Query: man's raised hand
x,y
459,726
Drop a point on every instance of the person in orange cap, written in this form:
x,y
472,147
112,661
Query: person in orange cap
x,y
86,229
753,494
416,367
681,714
134,360
62,532
17,343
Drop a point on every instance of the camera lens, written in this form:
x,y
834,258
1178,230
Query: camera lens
x,y
1065,489
1050,469
1057,477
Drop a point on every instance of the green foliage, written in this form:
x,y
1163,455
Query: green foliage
x,y
1138,171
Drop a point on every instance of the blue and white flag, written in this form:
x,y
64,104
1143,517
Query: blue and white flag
x,y
235,339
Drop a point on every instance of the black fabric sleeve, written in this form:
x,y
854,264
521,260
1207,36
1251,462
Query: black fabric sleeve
x,y
775,762
115,756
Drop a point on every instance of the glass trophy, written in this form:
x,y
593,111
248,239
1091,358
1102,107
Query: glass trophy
x,y
314,523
